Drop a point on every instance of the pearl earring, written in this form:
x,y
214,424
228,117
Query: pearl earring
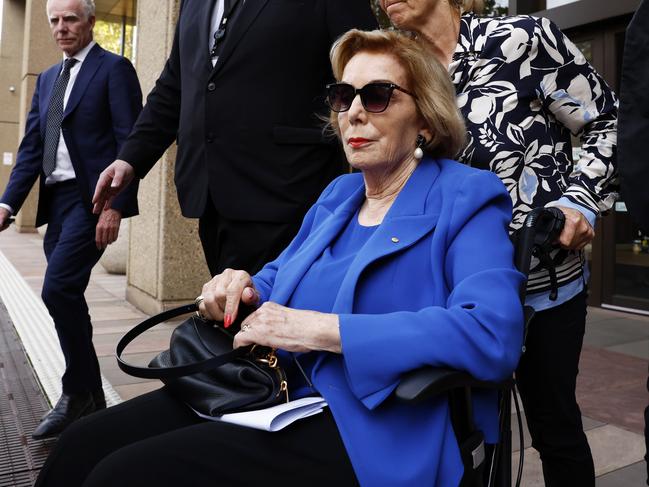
x,y
419,152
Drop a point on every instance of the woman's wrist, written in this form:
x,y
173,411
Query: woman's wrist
x,y
326,333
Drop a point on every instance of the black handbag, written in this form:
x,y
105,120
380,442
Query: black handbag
x,y
201,368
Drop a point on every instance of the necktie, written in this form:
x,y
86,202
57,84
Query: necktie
x,y
229,11
55,117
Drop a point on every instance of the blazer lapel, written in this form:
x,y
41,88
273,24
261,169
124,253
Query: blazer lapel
x,y
293,270
47,85
404,225
249,12
88,69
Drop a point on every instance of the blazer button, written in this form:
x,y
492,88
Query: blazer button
x,y
211,86
210,138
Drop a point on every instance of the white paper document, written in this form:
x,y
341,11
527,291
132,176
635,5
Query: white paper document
x,y
277,417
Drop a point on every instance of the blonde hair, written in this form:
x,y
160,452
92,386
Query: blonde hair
x,y
426,78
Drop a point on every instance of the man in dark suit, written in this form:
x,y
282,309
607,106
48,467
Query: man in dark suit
x,y
81,113
241,93
632,132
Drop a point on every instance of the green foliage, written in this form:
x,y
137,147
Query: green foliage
x,y
110,36
492,9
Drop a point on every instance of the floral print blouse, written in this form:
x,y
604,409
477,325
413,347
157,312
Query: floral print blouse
x,y
524,88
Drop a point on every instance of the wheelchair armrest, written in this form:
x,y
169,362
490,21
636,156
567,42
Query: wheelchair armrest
x,y
429,382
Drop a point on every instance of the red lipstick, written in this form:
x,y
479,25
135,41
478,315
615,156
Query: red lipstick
x,y
357,142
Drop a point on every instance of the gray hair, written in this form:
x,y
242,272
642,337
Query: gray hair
x,y
87,5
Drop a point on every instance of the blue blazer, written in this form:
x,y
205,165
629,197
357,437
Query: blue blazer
x,y
101,110
434,285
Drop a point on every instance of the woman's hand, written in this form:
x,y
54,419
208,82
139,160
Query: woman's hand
x,y
577,232
294,330
222,295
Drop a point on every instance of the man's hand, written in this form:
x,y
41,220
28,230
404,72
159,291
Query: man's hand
x,y
107,228
4,219
577,232
111,181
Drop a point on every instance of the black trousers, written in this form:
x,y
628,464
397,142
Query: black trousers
x,y
155,440
71,254
546,378
245,245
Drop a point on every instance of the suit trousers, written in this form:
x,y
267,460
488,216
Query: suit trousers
x,y
245,245
155,439
71,254
547,377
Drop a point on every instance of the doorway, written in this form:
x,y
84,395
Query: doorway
x,y
619,255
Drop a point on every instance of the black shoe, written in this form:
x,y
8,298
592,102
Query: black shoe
x,y
99,399
68,409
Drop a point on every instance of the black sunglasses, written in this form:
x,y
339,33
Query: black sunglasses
x,y
375,96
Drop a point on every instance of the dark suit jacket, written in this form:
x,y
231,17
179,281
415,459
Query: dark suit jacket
x,y
633,124
247,129
103,106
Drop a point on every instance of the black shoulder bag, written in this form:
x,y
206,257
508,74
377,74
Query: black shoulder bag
x,y
201,368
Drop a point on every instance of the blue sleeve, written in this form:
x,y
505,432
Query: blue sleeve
x,y
568,203
480,328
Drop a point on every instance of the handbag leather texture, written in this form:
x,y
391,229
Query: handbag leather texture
x,y
201,369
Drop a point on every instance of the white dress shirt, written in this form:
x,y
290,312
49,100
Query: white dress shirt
x,y
64,170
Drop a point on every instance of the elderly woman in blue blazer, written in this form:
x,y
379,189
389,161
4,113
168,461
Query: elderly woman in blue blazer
x,y
403,264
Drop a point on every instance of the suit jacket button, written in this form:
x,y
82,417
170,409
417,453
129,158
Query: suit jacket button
x,y
210,138
211,86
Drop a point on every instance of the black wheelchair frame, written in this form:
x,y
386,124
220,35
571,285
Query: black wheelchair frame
x,y
536,237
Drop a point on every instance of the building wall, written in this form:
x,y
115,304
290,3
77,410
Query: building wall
x,y
26,49
166,264
11,49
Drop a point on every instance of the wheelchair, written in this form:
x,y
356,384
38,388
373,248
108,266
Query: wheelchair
x,y
490,466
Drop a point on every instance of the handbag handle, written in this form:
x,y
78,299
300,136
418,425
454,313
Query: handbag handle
x,y
178,370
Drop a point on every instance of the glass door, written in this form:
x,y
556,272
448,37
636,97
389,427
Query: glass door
x,y
619,255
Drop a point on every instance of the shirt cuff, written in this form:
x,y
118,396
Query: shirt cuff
x,y
7,207
563,201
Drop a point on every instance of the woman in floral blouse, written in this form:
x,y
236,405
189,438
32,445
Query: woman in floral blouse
x,y
523,89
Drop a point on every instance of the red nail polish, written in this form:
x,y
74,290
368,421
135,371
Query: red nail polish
x,y
227,321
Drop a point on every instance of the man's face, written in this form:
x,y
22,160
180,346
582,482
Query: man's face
x,y
71,30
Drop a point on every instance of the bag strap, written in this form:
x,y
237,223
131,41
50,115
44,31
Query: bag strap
x,y
178,370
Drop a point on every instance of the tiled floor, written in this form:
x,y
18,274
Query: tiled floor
x,y
111,314
612,394
611,386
